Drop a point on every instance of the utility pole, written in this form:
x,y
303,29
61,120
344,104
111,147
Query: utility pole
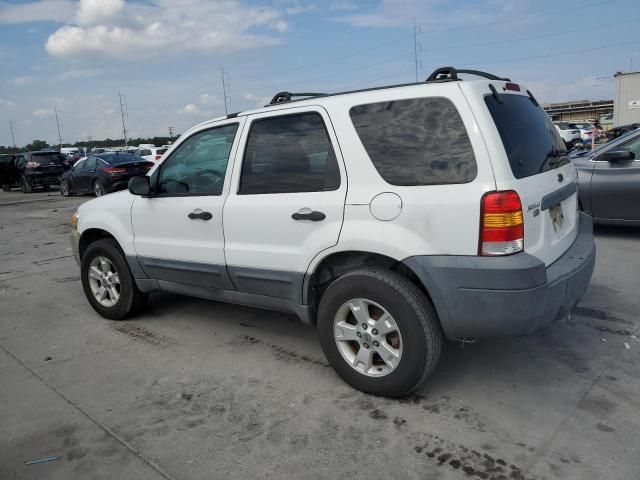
x,y
170,133
58,124
226,97
417,46
13,138
123,107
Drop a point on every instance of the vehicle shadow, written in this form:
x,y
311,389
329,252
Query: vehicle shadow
x,y
616,231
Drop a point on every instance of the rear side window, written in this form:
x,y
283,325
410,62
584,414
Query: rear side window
x,y
287,155
530,139
420,141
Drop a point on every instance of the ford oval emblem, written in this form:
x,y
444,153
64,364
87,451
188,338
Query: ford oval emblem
x,y
560,178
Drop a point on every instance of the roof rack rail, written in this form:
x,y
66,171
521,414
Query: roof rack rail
x,y
450,74
282,97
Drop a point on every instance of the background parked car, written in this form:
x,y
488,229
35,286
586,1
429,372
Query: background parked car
x,y
570,135
152,154
39,169
619,131
103,173
8,172
585,128
609,180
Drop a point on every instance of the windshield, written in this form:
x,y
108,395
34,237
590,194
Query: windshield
x,y
530,140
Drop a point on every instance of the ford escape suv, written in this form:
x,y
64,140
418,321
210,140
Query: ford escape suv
x,y
389,218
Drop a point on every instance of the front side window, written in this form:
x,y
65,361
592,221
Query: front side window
x,y
199,164
289,154
634,147
420,141
91,163
79,166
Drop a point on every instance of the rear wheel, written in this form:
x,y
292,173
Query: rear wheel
x,y
6,188
108,283
26,185
98,188
379,331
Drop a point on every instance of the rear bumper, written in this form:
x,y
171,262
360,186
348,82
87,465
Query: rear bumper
x,y
44,179
485,296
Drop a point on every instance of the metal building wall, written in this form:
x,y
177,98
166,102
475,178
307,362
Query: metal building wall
x,y
627,91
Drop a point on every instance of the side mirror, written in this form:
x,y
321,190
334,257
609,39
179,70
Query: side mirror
x,y
139,186
618,155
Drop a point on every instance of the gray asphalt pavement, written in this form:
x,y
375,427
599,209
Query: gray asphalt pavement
x,y
196,389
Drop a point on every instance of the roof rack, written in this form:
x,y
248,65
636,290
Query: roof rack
x,y
282,97
450,74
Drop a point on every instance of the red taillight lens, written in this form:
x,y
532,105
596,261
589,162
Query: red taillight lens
x,y
501,224
149,165
514,87
158,157
114,170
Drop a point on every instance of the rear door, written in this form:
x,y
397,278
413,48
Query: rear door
x,y
615,186
286,203
84,175
529,156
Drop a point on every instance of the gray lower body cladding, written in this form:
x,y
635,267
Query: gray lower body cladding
x,y
513,295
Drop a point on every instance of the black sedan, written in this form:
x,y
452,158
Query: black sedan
x,y
103,173
609,180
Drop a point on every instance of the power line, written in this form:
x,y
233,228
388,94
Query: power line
x,y
122,109
58,124
13,138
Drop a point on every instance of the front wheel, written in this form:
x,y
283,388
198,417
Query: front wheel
x,y
98,188
379,332
108,283
26,185
6,188
65,191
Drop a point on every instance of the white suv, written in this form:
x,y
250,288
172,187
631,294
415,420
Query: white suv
x,y
387,217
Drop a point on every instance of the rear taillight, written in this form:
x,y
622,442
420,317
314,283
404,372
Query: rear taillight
x,y
149,165
114,170
158,157
501,224
32,164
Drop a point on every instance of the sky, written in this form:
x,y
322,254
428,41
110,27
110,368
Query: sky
x,y
166,56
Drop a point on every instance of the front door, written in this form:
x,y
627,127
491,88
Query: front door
x,y
178,229
287,201
83,176
615,186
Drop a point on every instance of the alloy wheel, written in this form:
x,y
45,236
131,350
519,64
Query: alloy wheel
x,y
104,281
368,337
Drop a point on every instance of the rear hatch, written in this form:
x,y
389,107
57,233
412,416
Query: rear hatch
x,y
46,163
532,162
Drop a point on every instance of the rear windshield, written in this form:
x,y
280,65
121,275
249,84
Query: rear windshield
x,y
115,158
47,158
530,140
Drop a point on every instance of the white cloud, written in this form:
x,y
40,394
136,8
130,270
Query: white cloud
x,y
130,30
40,11
42,112
74,74
190,108
257,100
207,99
7,103
22,80
94,12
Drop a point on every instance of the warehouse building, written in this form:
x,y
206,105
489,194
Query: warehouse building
x,y
627,102
579,110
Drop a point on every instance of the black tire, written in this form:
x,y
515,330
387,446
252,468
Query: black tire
x,y
98,188
131,300
65,191
26,185
413,313
6,188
